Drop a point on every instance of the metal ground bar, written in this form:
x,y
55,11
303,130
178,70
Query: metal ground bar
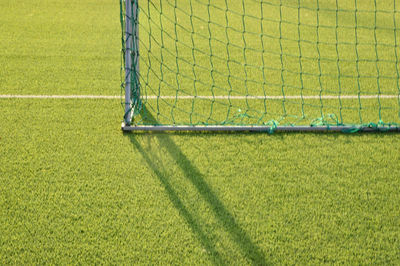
x,y
259,128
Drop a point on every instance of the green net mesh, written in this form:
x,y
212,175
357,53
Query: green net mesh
x,y
256,62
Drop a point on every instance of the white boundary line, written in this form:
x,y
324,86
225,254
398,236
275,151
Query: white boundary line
x,y
259,97
217,97
16,96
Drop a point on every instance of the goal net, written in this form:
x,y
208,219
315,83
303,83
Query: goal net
x,y
260,64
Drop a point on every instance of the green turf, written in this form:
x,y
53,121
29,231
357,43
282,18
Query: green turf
x,y
59,47
74,189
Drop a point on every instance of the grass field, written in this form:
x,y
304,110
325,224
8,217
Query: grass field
x,y
74,189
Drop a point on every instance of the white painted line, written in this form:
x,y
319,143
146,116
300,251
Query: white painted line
x,y
216,97
259,97
8,96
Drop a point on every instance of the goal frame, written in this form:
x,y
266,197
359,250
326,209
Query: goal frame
x,y
131,59
132,84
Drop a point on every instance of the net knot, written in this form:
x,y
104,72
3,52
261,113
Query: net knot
x,y
273,125
326,120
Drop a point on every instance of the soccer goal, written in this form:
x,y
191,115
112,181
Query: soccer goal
x,y
260,65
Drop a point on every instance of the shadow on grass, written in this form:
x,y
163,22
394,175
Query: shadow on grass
x,y
250,250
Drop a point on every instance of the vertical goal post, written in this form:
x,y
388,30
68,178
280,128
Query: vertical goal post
x,y
130,43
256,65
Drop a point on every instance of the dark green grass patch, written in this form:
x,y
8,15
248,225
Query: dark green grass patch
x,y
74,188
